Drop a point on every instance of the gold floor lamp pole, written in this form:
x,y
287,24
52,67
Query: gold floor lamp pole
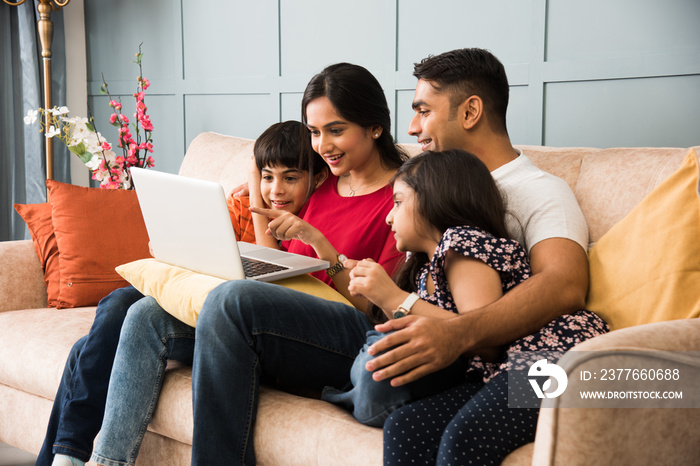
x,y
45,28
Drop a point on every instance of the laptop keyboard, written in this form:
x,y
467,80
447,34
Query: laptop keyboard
x,y
254,268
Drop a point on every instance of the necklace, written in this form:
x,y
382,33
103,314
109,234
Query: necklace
x,y
353,191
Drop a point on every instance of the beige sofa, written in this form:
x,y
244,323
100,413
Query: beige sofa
x,y
294,430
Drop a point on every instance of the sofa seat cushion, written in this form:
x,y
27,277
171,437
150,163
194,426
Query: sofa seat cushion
x,y
287,425
34,346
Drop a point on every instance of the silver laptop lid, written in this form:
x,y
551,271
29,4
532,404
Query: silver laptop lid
x,y
189,225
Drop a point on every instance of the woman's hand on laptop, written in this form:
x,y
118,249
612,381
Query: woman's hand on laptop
x,y
286,226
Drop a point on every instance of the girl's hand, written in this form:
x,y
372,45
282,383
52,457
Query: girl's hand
x,y
285,226
369,279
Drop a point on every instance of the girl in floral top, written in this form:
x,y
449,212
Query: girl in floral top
x,y
449,214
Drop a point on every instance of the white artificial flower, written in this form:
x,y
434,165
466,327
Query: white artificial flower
x,y
61,111
109,155
52,132
94,163
80,132
31,117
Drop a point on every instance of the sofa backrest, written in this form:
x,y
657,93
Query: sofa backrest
x,y
608,183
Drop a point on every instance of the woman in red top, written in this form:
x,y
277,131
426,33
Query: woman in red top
x,y
250,329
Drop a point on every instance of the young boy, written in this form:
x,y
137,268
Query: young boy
x,y
286,173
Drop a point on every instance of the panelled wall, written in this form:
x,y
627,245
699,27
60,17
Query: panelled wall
x,y
599,73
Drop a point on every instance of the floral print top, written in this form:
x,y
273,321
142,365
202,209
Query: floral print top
x,y
511,261
502,254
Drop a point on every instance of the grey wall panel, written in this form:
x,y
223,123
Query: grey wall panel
x,y
403,115
229,39
114,31
625,112
290,103
518,116
314,34
598,29
236,67
502,27
237,114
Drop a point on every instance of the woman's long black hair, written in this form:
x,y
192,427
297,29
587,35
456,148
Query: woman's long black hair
x,y
358,97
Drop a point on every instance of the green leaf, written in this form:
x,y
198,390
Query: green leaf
x,y
103,89
86,156
90,127
78,150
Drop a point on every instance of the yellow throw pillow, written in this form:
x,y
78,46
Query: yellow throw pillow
x,y
182,292
646,268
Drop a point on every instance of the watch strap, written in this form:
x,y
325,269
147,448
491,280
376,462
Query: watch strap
x,y
404,308
330,271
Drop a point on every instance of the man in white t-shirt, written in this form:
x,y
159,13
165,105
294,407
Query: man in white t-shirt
x,y
460,102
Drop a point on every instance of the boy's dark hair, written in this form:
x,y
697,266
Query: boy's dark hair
x,y
466,72
451,188
357,97
288,144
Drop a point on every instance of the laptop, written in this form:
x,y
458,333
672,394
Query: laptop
x,y
189,226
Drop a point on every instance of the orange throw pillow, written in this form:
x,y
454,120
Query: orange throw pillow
x,y
96,230
38,219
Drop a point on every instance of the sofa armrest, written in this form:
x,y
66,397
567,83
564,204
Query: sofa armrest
x,y
579,435
22,283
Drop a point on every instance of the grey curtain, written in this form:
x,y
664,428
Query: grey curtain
x,y
22,153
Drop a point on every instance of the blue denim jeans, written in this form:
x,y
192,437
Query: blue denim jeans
x,y
251,331
371,402
79,406
150,336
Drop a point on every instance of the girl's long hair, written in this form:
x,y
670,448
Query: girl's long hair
x,y
451,188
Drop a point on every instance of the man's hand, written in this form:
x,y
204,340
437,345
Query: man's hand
x,y
419,346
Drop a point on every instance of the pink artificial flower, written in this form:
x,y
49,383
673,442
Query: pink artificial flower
x,y
106,145
115,105
113,118
150,162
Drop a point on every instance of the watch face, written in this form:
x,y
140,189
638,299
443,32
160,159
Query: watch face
x,y
399,313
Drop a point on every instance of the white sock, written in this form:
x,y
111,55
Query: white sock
x,y
64,460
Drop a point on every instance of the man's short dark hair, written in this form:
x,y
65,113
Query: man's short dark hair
x,y
467,72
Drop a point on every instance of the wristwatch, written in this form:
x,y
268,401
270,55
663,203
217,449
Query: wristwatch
x,y
330,271
404,308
